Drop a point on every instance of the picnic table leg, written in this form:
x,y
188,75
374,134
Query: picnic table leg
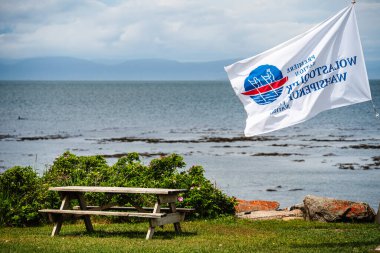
x,y
59,220
156,209
177,226
83,206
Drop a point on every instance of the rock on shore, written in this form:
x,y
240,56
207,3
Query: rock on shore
x,y
256,205
264,210
273,215
332,210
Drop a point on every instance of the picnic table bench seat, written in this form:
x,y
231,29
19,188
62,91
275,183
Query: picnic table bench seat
x,y
147,209
105,213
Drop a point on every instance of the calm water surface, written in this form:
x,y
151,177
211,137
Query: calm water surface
x,y
77,116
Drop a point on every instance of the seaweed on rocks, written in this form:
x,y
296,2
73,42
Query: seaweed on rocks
x,y
5,136
369,167
239,138
131,139
363,146
376,159
347,166
299,160
201,140
79,149
276,154
144,154
375,165
295,189
46,137
354,166
329,154
229,146
341,139
280,145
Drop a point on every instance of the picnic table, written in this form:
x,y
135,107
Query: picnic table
x,y
157,215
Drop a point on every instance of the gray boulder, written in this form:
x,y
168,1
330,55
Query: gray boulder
x,y
333,210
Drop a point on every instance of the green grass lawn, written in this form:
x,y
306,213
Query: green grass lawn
x,y
220,235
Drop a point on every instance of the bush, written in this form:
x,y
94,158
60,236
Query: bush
x,y
23,193
69,169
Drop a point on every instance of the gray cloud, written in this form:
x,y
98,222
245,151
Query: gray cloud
x,y
173,29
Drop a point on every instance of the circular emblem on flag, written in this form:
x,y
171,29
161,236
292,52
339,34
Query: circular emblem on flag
x,y
264,84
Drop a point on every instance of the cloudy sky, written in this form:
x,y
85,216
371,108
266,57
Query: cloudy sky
x,y
184,30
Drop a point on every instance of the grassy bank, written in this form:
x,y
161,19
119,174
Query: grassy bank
x,y
219,235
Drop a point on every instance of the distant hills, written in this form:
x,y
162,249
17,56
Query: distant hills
x,y
67,68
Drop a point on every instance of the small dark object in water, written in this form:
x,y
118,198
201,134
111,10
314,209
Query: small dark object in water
x,y
296,189
271,190
280,145
347,166
329,154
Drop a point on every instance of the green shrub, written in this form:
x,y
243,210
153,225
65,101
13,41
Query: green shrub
x,y
207,200
22,194
69,169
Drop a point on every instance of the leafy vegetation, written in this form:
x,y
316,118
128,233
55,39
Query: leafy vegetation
x,y
23,193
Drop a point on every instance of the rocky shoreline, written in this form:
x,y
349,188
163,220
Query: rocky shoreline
x,y
313,208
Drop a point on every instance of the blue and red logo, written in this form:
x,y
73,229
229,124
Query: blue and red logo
x,y
264,84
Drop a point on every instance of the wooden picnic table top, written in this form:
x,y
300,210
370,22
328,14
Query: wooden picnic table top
x,y
117,190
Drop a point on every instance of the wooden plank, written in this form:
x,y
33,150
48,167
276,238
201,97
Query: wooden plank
x,y
152,227
59,220
172,198
116,190
149,234
171,218
131,208
105,213
157,206
177,226
83,206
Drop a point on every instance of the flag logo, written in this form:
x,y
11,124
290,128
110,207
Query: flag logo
x,y
264,84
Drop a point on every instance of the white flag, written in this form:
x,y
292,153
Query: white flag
x,y
318,70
